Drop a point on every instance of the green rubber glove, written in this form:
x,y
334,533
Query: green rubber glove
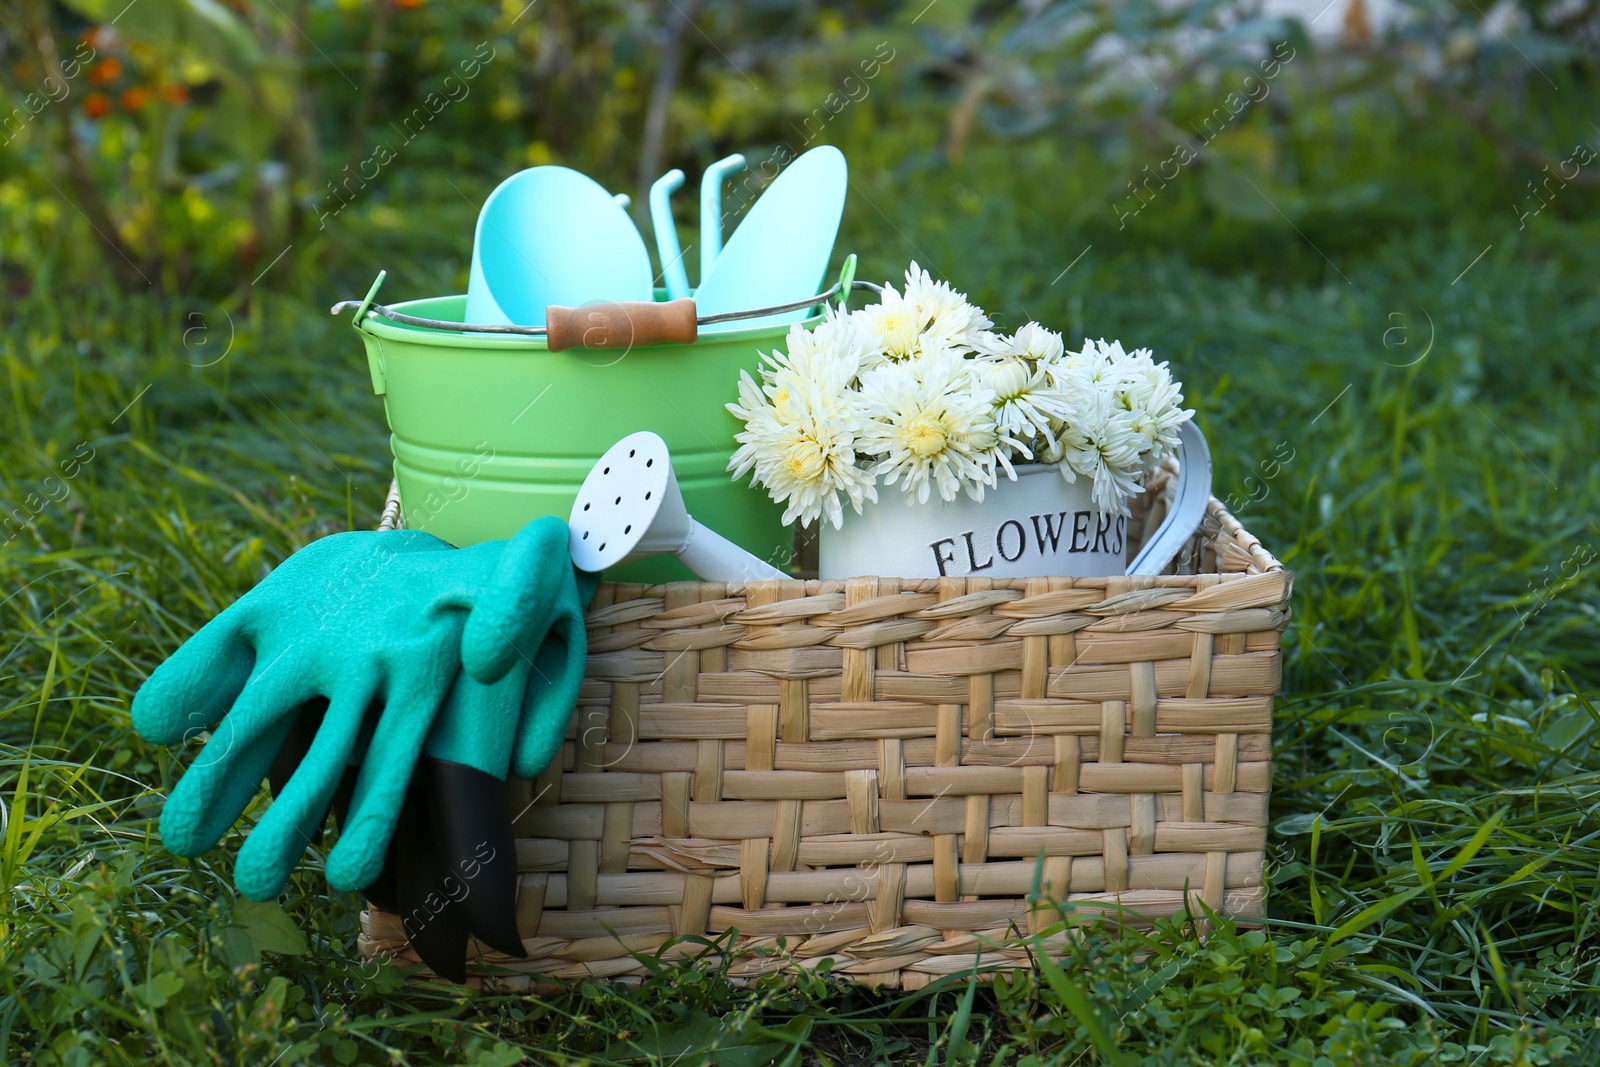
x,y
476,653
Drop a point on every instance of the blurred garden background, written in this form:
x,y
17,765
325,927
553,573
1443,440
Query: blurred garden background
x,y
1363,234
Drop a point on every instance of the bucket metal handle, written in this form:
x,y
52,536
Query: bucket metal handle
x,y
616,324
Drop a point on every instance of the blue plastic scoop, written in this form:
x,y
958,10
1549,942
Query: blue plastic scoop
x,y
549,235
781,250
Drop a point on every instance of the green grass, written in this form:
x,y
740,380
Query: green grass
x,y
1434,858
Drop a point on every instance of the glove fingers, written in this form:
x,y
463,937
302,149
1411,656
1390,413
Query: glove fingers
x,y
224,777
280,838
509,618
197,684
380,787
432,925
552,693
473,843
380,892
293,750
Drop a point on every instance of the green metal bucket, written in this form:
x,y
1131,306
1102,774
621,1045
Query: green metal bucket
x,y
491,431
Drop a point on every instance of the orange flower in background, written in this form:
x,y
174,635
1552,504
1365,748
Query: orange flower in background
x,y
96,104
408,4
106,71
135,98
177,93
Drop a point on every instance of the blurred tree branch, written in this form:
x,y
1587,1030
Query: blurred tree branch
x,y
661,92
1513,145
375,63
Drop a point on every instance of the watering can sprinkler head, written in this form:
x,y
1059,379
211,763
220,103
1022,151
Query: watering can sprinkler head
x,y
630,507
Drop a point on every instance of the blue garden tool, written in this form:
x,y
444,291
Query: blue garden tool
x,y
780,251
549,235
711,209
672,272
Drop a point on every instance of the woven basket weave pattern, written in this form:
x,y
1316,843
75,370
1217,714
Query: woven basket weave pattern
x,y
870,769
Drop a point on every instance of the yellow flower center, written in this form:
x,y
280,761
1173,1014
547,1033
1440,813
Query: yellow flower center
x,y
804,460
925,434
899,331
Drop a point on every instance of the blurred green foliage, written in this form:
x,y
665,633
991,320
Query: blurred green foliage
x,y
208,149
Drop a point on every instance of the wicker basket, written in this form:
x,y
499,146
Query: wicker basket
x,y
867,771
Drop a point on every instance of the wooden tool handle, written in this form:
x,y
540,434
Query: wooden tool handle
x,y
620,325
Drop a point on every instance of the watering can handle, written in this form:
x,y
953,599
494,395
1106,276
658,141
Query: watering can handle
x,y
1188,509
622,324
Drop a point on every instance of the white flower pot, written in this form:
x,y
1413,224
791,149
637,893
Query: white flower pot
x,y
1037,525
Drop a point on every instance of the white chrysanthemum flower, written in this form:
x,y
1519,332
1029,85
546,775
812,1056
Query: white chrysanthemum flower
x,y
917,389
927,318
1098,362
932,426
1140,389
1024,371
1038,344
819,463
1099,443
1158,430
1027,404
1157,403
892,326
828,357
804,460
802,423
952,319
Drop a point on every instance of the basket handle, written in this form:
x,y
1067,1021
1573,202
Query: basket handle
x,y
622,324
